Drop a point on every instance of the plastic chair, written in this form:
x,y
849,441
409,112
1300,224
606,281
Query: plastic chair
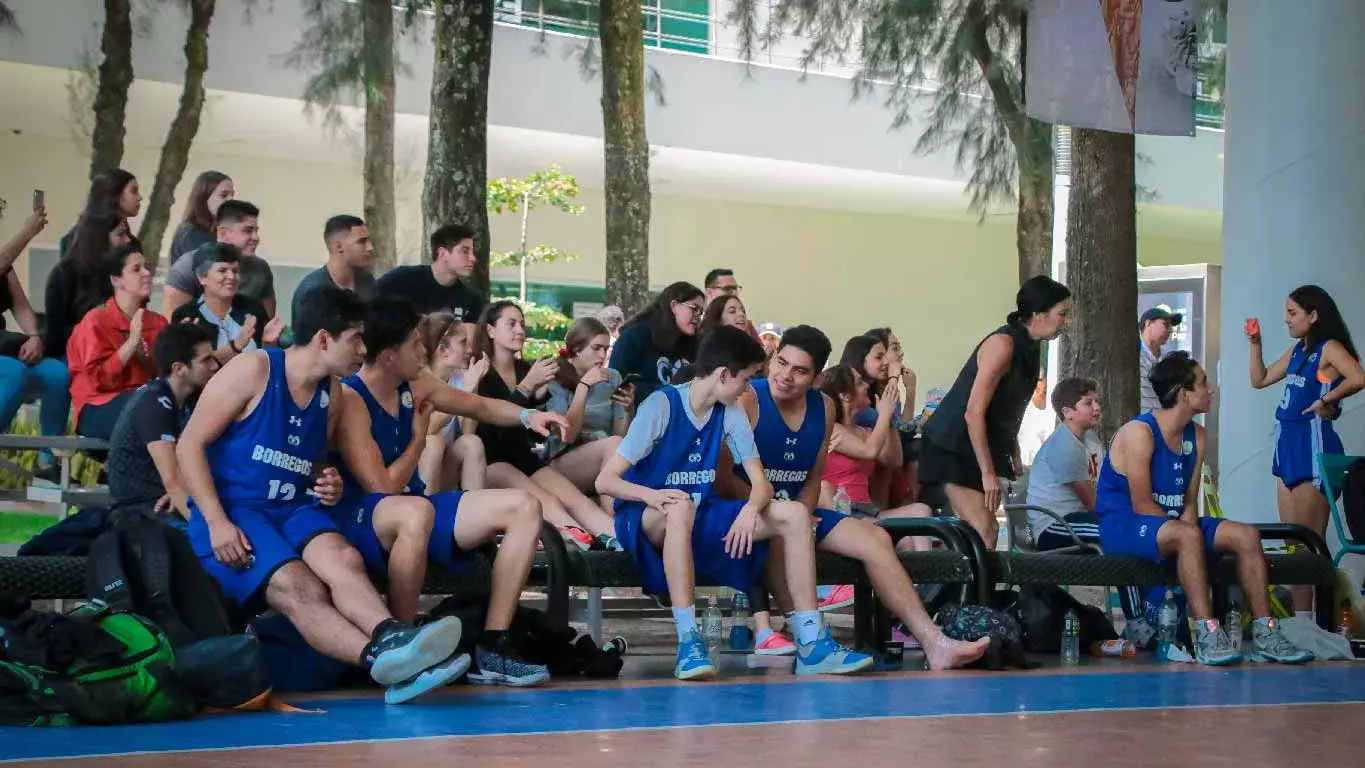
x,y
1332,469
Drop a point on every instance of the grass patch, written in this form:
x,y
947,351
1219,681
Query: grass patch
x,y
19,527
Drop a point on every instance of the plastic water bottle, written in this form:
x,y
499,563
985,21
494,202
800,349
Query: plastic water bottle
x,y
1233,626
842,503
1071,639
711,626
1167,624
741,635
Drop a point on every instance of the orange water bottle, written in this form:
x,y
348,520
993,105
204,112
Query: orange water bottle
x,y
1121,648
1346,620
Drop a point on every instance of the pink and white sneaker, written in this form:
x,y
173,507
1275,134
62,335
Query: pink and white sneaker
x,y
841,597
775,644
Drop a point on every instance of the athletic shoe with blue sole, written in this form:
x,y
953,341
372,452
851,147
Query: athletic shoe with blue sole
x,y
693,661
502,666
405,653
428,680
826,657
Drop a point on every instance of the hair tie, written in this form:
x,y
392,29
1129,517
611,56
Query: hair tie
x,y
565,353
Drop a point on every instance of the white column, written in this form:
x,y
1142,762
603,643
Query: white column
x,y
1293,211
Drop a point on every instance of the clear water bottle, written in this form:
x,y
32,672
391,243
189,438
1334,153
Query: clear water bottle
x,y
842,503
741,635
1233,626
1071,639
1167,624
711,626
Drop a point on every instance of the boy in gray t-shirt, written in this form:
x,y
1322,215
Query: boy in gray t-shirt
x,y
1063,480
1064,470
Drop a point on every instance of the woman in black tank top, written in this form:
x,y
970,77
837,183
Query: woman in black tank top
x,y
973,438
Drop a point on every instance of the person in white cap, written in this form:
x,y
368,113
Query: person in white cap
x,y
769,335
1154,328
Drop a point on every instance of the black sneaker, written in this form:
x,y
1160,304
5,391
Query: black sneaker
x,y
502,666
402,652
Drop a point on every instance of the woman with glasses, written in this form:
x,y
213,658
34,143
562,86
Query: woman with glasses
x,y
654,344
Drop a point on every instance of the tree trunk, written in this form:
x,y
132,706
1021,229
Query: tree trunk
x,y
175,153
626,152
1034,224
111,92
456,187
380,115
1101,270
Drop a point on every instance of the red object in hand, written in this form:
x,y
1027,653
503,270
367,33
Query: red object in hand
x,y
1253,327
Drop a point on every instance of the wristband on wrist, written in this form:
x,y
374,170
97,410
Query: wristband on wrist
x,y
526,418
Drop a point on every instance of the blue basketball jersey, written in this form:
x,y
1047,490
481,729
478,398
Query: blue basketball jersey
x,y
269,455
685,458
788,456
1171,475
391,433
1301,385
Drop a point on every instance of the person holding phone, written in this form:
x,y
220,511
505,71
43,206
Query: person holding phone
x,y
597,401
512,458
1319,371
24,363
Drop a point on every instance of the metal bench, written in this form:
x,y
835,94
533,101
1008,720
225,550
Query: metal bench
x,y
64,448
556,570
1312,568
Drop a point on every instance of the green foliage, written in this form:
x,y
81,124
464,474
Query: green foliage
x,y
548,188
331,47
8,22
968,51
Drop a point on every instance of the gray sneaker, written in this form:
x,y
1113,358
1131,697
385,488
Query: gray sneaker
x,y
1139,633
1268,643
1211,644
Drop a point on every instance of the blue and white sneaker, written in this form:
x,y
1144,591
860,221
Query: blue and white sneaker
x,y
826,657
1268,643
428,680
403,652
693,662
502,666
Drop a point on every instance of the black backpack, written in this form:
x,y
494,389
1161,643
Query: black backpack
x,y
1353,499
143,565
1041,612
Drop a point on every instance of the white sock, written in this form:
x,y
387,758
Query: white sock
x,y
685,619
807,626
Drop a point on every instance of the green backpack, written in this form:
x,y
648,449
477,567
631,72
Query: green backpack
x,y
137,686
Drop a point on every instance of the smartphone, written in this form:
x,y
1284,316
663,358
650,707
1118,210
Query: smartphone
x,y
38,199
1253,327
631,380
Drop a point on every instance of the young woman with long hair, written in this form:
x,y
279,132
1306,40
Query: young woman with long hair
x,y
723,310
596,400
78,283
973,439
1321,369
512,460
659,340
210,190
114,192
453,457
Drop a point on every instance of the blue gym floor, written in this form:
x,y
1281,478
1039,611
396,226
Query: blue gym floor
x,y
354,728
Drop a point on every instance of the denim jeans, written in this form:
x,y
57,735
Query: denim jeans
x,y
49,379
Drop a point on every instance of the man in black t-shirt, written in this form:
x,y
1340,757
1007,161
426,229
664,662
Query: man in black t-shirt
x,y
438,287
143,472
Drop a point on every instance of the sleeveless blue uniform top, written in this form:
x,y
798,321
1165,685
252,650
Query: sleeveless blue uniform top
x,y
269,455
788,456
1171,475
685,458
1301,385
391,433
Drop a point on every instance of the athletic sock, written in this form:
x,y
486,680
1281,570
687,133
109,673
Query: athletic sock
x,y
762,637
1310,615
685,619
807,624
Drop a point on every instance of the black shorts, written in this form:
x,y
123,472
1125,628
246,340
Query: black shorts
x,y
940,466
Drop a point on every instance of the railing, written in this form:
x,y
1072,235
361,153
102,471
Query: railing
x,y
677,25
